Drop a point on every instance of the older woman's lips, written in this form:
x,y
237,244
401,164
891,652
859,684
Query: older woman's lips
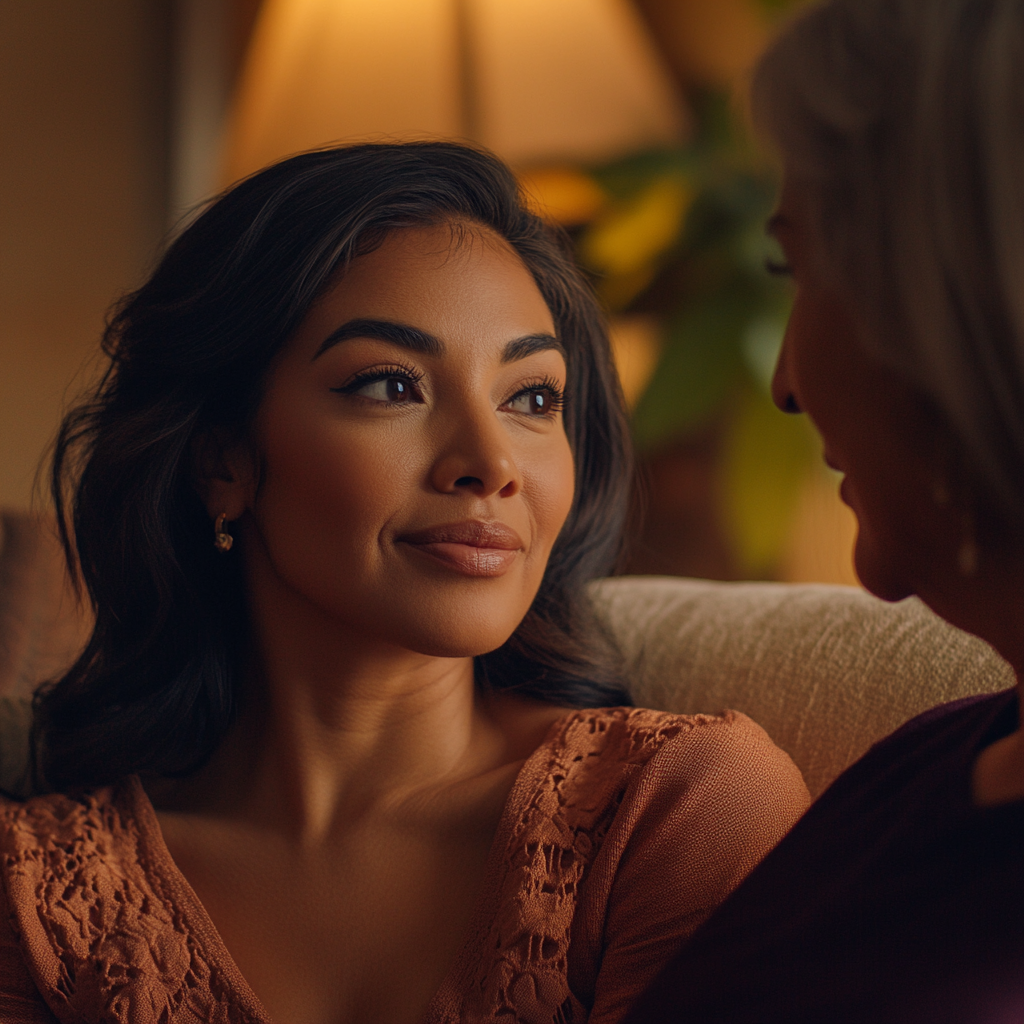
x,y
473,548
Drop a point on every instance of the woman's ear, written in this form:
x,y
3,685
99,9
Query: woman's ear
x,y
225,474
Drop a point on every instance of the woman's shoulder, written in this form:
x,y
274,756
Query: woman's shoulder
x,y
88,819
695,801
636,733
93,921
44,841
709,794
64,854
21,1002
624,830
721,750
20,999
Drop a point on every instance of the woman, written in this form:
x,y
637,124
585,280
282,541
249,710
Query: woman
x,y
899,896
340,748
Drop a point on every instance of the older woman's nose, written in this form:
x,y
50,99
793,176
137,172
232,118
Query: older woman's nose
x,y
782,384
477,457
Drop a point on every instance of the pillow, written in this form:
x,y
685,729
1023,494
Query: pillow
x,y
43,627
827,671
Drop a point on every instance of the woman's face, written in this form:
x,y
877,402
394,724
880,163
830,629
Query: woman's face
x,y
414,468
875,428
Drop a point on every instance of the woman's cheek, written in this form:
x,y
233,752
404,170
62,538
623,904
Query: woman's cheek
x,y
325,491
550,487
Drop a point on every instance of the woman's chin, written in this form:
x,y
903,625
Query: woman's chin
x,y
454,638
879,574
454,648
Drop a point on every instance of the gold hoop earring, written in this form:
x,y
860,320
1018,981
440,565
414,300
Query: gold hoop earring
x,y
222,540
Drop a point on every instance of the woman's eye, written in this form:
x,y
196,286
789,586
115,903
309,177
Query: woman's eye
x,y
393,390
390,385
778,268
535,402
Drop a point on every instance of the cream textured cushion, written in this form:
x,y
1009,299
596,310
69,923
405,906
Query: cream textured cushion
x,y
42,625
826,670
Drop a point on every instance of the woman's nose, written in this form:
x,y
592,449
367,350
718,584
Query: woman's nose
x,y
782,384
477,458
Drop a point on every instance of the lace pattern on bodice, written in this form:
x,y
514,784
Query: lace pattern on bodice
x,y
106,920
103,932
523,975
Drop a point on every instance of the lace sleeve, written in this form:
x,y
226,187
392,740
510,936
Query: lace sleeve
x,y
705,810
20,1001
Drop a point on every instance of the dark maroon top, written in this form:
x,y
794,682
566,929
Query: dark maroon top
x,y
892,899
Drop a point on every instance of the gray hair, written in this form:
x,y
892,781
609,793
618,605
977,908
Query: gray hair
x,y
904,119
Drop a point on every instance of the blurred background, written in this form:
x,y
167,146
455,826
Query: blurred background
x,y
624,119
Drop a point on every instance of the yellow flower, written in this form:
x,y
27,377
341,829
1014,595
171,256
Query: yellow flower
x,y
631,236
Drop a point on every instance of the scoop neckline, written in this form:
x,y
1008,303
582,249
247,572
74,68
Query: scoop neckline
x,y
161,868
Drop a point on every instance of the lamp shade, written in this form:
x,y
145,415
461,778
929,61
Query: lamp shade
x,y
534,80
569,79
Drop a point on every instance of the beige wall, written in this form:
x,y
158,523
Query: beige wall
x,y
82,197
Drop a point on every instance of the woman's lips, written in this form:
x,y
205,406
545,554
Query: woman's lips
x,y
844,492
473,548
842,483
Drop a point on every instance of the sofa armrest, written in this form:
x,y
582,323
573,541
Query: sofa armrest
x,y
43,626
826,670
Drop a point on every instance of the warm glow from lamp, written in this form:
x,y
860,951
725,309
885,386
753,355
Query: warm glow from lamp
x,y
712,42
822,535
322,70
534,80
636,347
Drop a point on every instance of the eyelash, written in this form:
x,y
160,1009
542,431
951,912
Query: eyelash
x,y
360,380
551,386
413,377
777,269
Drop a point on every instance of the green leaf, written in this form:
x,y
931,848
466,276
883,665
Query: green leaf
x,y
717,124
766,457
631,235
700,363
730,211
625,178
762,341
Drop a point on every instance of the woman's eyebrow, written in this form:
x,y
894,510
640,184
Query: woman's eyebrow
x,y
520,348
383,330
418,340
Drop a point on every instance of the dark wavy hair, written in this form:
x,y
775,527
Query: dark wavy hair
x,y
161,678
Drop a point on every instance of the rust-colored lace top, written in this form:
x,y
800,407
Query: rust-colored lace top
x,y
621,834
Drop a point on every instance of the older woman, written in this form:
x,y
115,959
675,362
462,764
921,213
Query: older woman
x,y
900,895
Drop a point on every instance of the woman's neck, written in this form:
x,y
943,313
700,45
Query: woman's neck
x,y
335,725
990,604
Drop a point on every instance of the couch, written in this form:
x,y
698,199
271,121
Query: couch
x,y
826,670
